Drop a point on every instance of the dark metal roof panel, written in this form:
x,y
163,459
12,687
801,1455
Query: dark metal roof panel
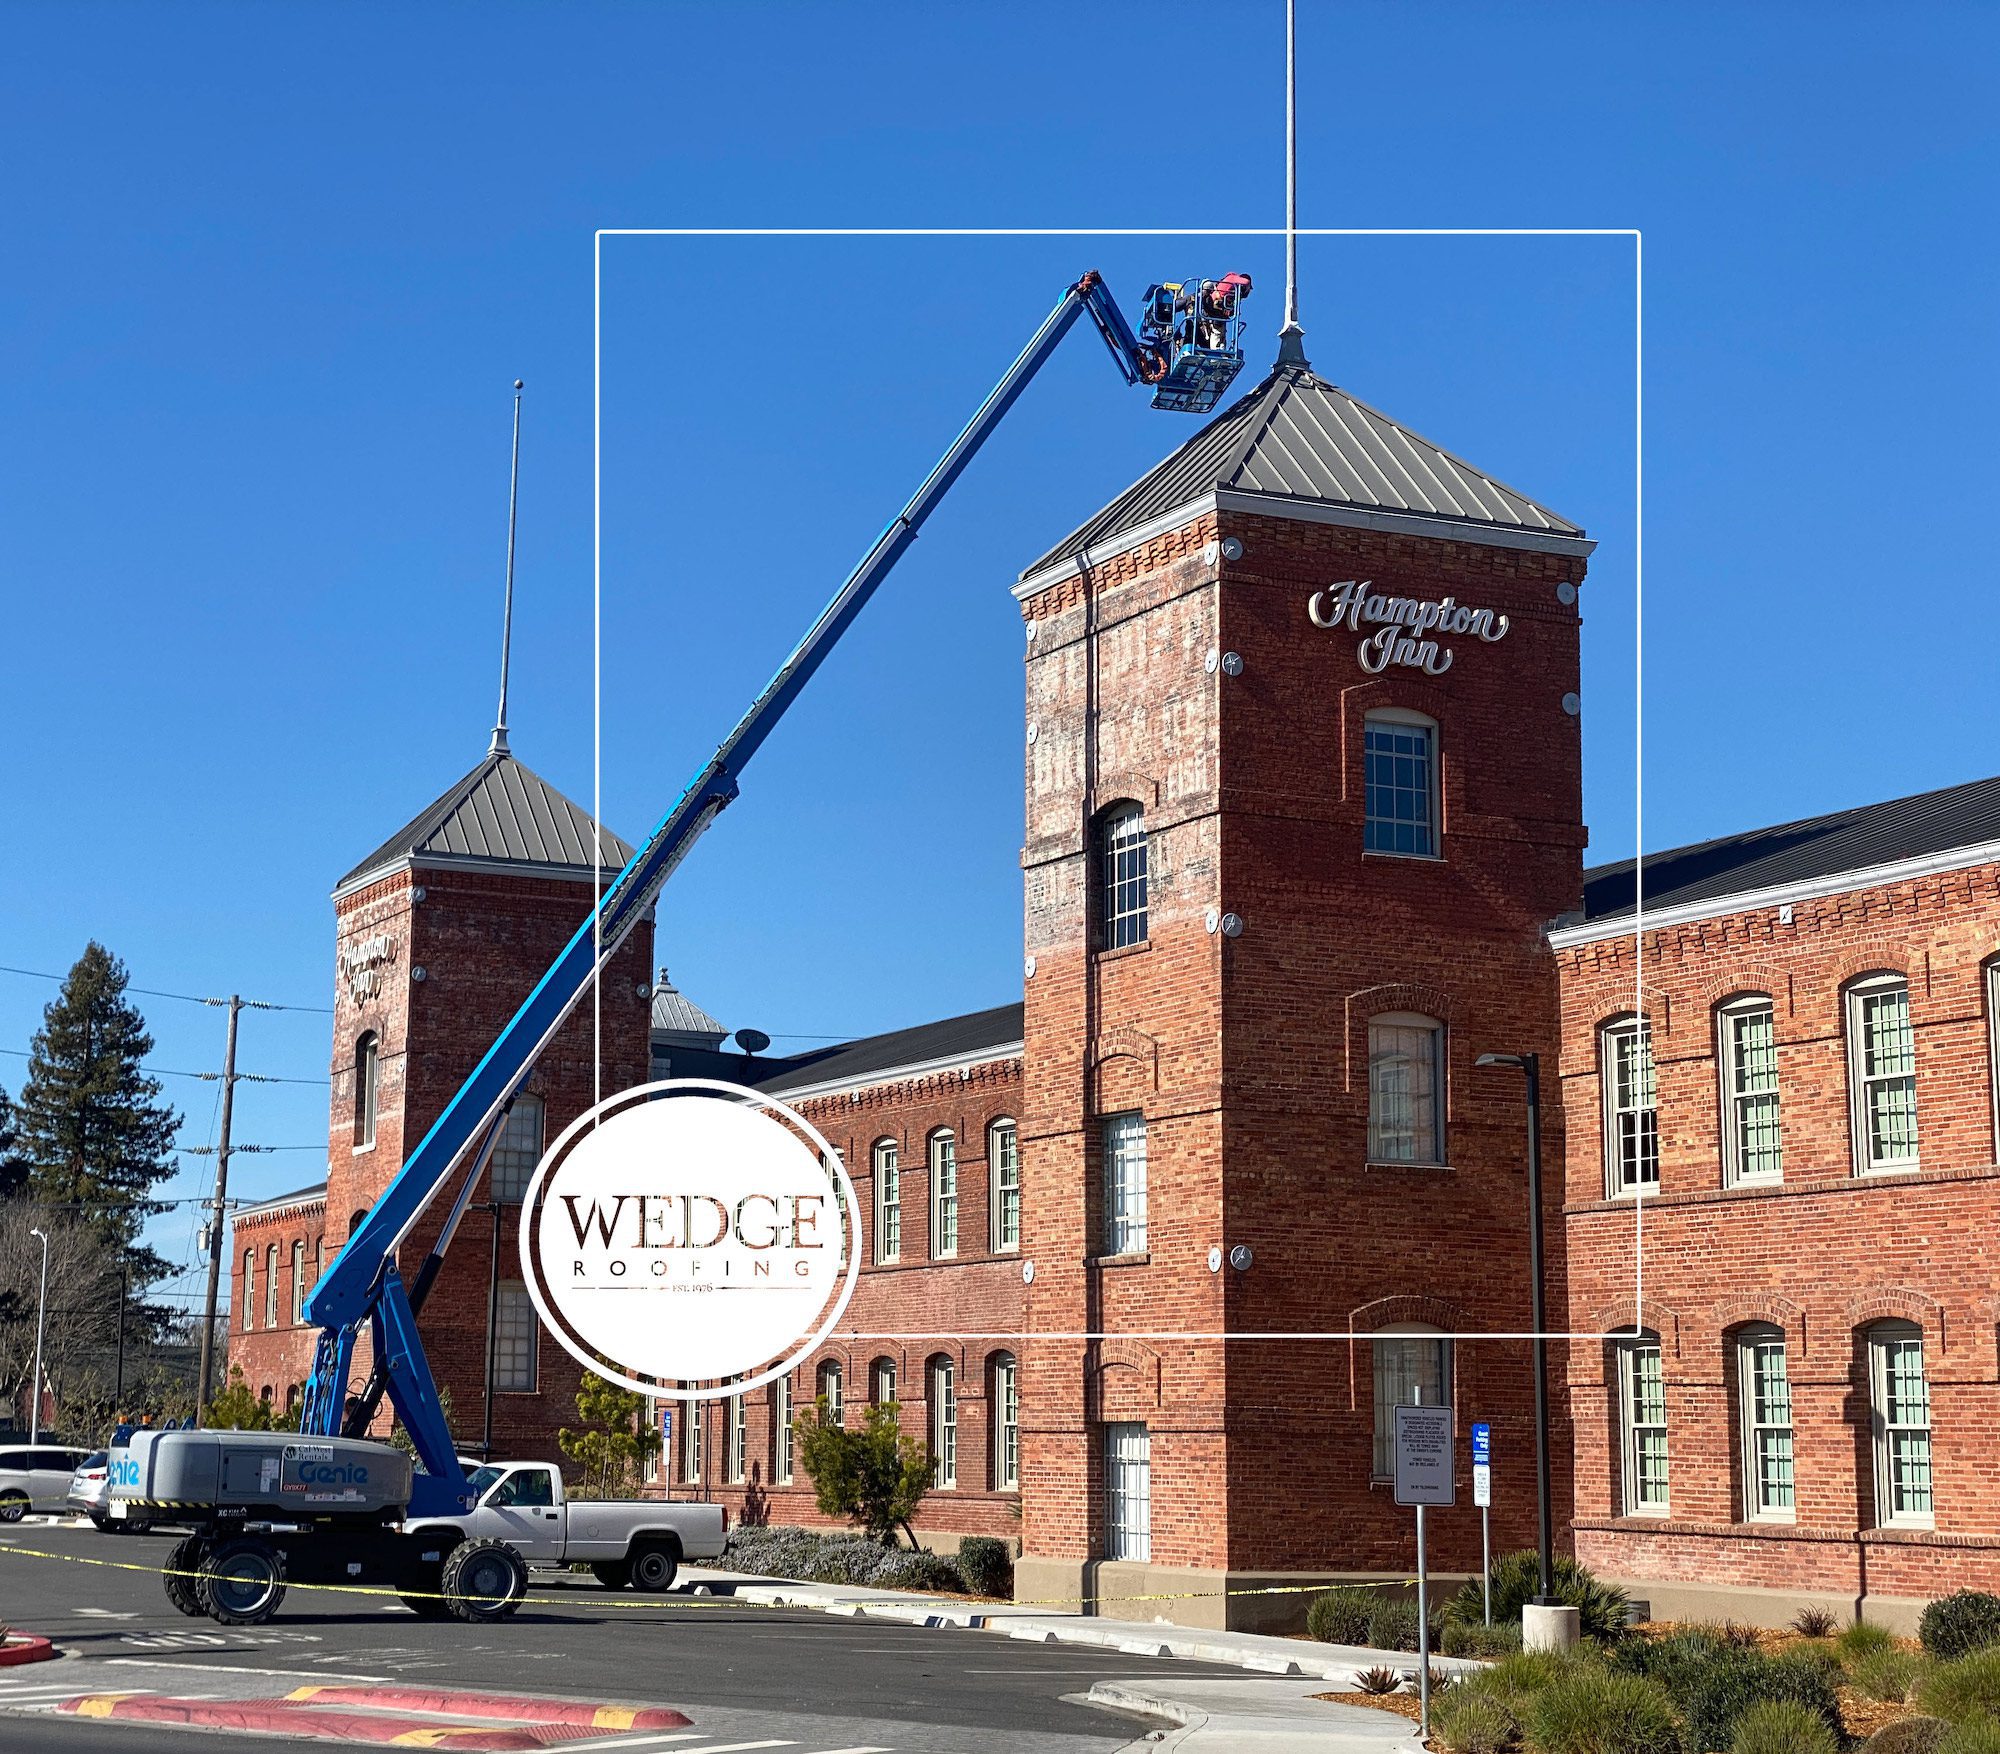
x,y
1804,852
996,1031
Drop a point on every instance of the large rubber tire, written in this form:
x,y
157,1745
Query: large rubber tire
x,y
422,1592
13,1506
655,1564
104,1525
185,1558
484,1580
242,1582
613,1574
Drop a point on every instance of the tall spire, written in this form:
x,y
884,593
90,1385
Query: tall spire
x,y
499,744
1291,338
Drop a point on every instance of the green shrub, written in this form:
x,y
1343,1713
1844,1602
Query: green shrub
x,y
1863,1639
1959,1624
1978,1735
1393,1626
1814,1622
1777,1726
1341,1615
1469,1720
1890,1675
1516,1577
1668,1659
1593,1711
1908,1735
1461,1640
986,1565
1965,1689
1712,1696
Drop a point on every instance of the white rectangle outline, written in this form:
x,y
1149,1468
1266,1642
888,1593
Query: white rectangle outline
x,y
1635,233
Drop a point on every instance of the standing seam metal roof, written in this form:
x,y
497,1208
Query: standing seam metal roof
x,y
1295,436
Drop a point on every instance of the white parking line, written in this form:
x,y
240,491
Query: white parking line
x,y
655,1741
738,1747
105,1614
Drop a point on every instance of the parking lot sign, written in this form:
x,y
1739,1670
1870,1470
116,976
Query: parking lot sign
x,y
1482,1464
1424,1473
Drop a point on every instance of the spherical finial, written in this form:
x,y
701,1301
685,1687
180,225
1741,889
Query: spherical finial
x,y
518,384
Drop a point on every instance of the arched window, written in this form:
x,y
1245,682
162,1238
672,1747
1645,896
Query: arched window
x,y
1746,1049
944,1194
1412,1365
1882,1073
299,1280
1899,1400
832,1391
943,1396
888,1201
249,1289
271,1286
882,1381
1121,876
1642,1425
1764,1423
1405,1089
1631,1107
1003,1163
1004,1398
367,1078
736,1437
354,1220
1399,762
519,1149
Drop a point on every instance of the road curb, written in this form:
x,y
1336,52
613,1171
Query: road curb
x,y
26,1649
521,1708
275,1716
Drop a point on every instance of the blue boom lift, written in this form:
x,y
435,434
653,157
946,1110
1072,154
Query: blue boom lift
x,y
1188,350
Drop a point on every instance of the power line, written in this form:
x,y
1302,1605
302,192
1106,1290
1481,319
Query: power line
x,y
204,1077
188,998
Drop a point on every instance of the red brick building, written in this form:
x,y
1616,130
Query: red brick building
x,y
1304,837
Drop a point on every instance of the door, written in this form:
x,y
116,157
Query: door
x,y
521,1508
52,1471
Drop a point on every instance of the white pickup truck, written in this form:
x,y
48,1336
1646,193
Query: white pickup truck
x,y
624,1541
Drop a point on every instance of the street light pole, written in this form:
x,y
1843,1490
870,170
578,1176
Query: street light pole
x,y
41,1319
495,1207
1530,1067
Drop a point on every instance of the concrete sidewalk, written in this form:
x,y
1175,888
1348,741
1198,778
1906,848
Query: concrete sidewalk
x,y
1258,1717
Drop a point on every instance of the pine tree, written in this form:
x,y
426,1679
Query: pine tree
x,y
93,1135
13,1172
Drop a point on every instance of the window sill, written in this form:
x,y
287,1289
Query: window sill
x,y
1120,952
1136,1258
1368,853
1902,1166
1386,1163
363,1150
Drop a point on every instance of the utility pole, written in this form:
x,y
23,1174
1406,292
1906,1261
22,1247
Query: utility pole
x,y
206,1377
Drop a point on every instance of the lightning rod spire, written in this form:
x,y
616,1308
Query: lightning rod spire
x,y
1291,338
499,744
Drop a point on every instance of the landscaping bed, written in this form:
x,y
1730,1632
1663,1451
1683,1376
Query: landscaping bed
x,y
983,1568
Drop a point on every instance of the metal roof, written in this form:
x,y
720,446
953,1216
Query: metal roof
x,y
1799,853
674,1013
502,813
1295,438
297,1197
993,1034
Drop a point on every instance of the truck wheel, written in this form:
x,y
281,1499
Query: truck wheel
x,y
422,1592
13,1506
484,1580
613,1574
182,1563
654,1566
242,1582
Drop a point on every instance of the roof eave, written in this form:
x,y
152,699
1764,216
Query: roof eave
x,y
469,862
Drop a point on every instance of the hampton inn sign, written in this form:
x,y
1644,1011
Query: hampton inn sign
x,y
1400,625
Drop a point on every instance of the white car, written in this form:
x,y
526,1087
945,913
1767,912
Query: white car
x,y
640,1542
35,1479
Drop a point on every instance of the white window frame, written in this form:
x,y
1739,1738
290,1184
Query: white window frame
x,y
1861,1083
1631,1484
1991,973
1006,1422
1128,1492
1400,1359
1884,1339
367,1088
1124,1150
1609,1037
1124,876
885,1163
1430,835
691,1443
1382,1055
1743,1093
1003,1170
881,1376
781,1431
1759,1425
516,1340
298,1280
249,1291
271,1285
736,1439
833,1390
943,1396
941,1153
519,1150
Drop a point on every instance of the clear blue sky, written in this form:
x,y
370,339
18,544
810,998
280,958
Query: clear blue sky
x,y
272,270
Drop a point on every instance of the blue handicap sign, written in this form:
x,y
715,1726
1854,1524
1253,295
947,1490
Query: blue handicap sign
x,y
1482,1444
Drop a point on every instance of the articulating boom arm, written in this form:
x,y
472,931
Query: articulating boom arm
x,y
363,1283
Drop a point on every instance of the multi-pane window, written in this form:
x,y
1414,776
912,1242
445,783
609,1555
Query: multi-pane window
x,y
271,1286
1631,1108
1121,859
833,1392
519,1150
781,1431
1882,1056
691,1437
944,1424
1124,1184
514,1337
1400,782
1993,1040
1006,1406
1405,1089
1409,1368
840,1212
367,1079
888,1202
249,1289
1765,1390
1900,1401
1128,1492
1003,1157
882,1381
736,1434
1750,1119
1642,1396
944,1195
299,1280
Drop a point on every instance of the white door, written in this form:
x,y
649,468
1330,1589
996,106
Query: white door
x,y
521,1508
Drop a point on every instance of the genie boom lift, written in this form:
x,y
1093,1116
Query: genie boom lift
x,y
331,1505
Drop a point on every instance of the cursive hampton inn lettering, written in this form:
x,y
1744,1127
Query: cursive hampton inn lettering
x,y
1401,625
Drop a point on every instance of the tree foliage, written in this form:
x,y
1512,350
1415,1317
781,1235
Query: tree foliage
x,y
236,1408
873,1475
617,1441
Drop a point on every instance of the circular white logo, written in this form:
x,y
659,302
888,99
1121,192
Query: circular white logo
x,y
686,1233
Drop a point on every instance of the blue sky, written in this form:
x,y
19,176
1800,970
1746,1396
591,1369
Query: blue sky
x,y
274,269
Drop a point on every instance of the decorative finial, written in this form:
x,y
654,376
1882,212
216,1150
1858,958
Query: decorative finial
x,y
1292,338
499,744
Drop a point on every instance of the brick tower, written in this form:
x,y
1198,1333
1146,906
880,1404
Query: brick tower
x,y
1303,788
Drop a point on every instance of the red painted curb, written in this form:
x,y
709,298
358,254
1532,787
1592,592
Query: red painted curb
x,y
28,1649
295,1720
520,1707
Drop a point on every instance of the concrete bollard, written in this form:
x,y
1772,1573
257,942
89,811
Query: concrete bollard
x,y
1553,1628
